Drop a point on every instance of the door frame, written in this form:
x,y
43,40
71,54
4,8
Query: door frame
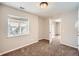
x,y
51,21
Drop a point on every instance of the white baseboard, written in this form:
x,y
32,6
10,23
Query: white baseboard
x,y
17,48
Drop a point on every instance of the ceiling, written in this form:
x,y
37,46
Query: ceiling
x,y
54,8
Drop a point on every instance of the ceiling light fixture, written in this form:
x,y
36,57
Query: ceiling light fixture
x,y
43,4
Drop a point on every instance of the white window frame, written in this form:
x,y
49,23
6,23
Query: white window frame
x,y
19,21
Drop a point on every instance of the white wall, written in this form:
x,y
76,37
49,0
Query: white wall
x,y
68,31
0,30
46,31
7,43
43,28
78,28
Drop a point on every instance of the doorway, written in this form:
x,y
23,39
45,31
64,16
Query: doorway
x,y
55,30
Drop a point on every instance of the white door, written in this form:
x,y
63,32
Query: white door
x,y
51,30
54,30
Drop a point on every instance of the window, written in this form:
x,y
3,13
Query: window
x,y
17,26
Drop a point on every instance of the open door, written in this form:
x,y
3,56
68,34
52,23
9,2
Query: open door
x,y
51,30
54,30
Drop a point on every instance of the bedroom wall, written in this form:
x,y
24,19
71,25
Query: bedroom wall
x,y
68,31
78,28
43,28
10,43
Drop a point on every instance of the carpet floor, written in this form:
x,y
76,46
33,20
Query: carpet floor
x,y
57,49
43,48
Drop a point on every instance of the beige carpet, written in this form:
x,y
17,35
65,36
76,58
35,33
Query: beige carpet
x,y
57,49
40,48
43,48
